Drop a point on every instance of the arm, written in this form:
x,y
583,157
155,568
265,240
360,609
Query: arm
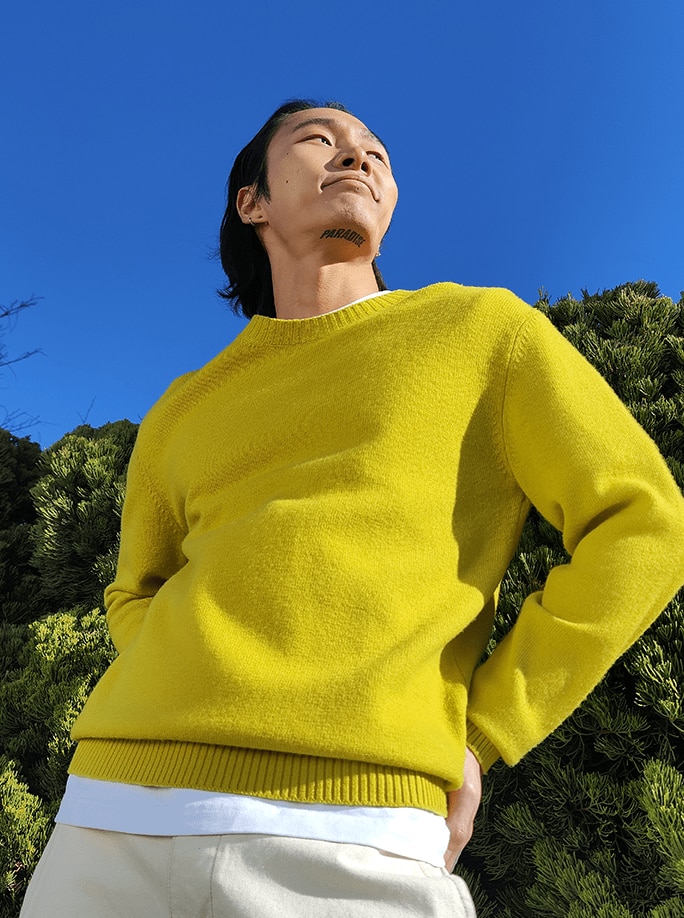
x,y
150,553
591,470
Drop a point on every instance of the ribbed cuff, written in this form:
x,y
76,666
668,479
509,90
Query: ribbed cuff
x,y
484,750
274,775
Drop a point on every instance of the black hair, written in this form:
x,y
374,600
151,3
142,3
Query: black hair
x,y
243,258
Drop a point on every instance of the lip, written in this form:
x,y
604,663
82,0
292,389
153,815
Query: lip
x,y
349,178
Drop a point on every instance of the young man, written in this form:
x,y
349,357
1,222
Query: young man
x,y
315,528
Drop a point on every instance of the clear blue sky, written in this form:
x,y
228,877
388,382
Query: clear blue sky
x,y
536,144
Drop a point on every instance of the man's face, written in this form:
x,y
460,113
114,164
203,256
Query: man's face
x,y
326,171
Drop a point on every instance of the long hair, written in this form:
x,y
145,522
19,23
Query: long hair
x,y
243,258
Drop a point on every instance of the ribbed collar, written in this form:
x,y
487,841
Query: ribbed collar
x,y
266,330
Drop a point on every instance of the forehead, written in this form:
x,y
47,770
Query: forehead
x,y
325,117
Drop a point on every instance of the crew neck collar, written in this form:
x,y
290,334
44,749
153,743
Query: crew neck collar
x,y
265,329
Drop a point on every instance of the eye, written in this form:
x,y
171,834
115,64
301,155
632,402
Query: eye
x,y
379,156
320,137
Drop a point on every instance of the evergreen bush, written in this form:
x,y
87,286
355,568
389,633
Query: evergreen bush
x,y
19,581
25,824
67,505
54,666
78,501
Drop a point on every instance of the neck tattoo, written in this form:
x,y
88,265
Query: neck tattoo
x,y
348,234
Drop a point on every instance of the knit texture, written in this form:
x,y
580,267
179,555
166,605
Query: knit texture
x,y
315,528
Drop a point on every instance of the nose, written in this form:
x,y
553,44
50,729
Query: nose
x,y
354,158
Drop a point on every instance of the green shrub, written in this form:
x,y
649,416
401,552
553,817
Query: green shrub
x,y
55,664
19,581
25,824
78,501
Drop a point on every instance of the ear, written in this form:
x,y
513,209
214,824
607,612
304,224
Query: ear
x,y
249,206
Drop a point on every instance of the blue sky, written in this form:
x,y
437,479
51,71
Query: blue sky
x,y
536,144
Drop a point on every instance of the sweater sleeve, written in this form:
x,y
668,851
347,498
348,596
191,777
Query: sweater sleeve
x,y
150,553
592,471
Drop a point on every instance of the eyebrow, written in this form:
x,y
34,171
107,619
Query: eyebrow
x,y
331,122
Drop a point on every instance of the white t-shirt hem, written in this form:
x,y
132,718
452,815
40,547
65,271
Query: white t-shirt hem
x,y
405,831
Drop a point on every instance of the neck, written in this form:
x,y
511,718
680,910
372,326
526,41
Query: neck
x,y
310,289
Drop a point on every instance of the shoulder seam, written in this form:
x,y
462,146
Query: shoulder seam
x,y
158,499
518,338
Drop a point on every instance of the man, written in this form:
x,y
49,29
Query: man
x,y
315,528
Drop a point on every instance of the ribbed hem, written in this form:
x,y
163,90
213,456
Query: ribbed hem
x,y
485,751
274,775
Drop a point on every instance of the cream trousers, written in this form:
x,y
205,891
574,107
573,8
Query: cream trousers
x,y
88,873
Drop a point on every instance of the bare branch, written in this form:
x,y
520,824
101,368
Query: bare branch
x,y
14,421
17,306
84,418
17,421
8,315
8,361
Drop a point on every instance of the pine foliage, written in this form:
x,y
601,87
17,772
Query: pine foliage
x,y
78,502
56,663
19,581
66,504
591,822
25,823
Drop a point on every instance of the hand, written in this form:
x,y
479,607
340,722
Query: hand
x,y
463,805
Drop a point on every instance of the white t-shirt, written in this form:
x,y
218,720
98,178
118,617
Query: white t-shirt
x,y
406,831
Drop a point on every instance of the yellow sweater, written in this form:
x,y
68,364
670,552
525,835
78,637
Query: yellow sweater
x,y
315,528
